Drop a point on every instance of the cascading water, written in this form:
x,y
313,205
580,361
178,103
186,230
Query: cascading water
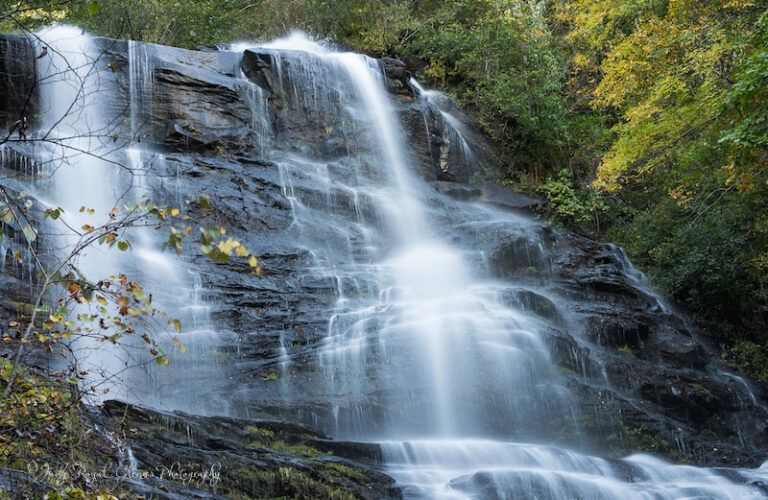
x,y
423,350
91,164
422,354
408,308
75,131
452,127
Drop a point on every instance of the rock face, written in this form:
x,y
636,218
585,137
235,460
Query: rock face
x,y
640,378
17,90
18,98
182,456
649,382
135,452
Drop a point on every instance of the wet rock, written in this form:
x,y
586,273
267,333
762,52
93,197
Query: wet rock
x,y
530,301
662,389
629,424
258,67
22,483
199,114
570,356
457,190
520,256
18,96
680,351
397,75
420,124
183,456
485,485
507,198
696,401
19,283
616,329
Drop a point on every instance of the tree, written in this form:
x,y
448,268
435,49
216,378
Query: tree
x,y
685,83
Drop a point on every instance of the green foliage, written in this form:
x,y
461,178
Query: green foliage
x,y
704,258
374,25
289,482
500,58
746,103
34,408
749,357
686,84
300,449
579,207
266,434
267,438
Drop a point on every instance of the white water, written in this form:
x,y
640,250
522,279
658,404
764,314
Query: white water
x,y
432,333
96,161
467,469
77,152
423,353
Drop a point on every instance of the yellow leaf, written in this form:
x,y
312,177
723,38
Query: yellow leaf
x,y
241,251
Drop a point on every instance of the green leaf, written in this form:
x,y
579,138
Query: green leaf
x,y
5,369
176,324
93,7
6,215
123,245
29,233
53,213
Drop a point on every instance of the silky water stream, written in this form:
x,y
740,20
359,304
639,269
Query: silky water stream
x,y
95,163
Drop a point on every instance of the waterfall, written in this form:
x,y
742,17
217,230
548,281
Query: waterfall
x,y
421,321
97,161
77,152
416,346
467,469
422,354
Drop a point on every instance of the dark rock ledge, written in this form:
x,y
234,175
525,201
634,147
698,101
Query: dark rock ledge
x,y
135,452
242,458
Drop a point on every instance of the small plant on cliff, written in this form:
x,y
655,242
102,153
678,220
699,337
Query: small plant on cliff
x,y
576,207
